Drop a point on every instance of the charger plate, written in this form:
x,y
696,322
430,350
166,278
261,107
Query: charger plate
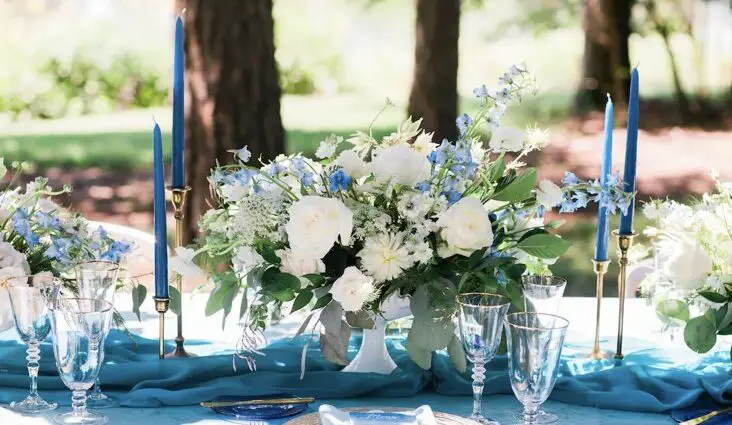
x,y
442,418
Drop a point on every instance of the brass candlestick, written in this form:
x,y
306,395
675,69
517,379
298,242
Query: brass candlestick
x,y
624,244
600,270
161,306
178,198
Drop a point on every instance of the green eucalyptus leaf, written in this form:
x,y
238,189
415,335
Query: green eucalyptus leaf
x,y
420,356
544,246
174,300
496,169
713,296
244,302
219,295
431,335
457,354
302,299
360,320
519,189
323,301
315,279
139,292
335,335
674,309
700,334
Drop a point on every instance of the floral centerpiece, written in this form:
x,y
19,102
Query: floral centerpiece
x,y
693,278
37,236
370,220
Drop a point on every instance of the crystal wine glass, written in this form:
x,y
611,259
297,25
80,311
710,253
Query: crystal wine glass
x,y
30,298
480,322
534,349
542,294
80,326
98,280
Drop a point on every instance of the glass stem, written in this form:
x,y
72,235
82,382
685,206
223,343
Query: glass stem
x,y
530,415
34,356
478,379
78,402
97,389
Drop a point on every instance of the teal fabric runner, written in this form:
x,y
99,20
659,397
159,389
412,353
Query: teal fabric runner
x,y
648,380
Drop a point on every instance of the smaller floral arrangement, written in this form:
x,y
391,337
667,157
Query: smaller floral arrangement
x,y
692,280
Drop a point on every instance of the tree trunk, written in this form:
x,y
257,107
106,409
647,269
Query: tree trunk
x,y
606,61
434,94
232,90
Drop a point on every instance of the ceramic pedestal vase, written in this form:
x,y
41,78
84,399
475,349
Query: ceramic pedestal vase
x,y
373,357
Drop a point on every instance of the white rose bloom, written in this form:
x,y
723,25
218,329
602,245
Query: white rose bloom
x,y
246,259
353,289
507,139
234,192
6,312
352,164
549,194
299,266
400,164
10,258
315,225
182,263
465,228
688,265
385,256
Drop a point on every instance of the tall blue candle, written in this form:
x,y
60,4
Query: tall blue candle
x,y
178,105
631,154
161,233
603,225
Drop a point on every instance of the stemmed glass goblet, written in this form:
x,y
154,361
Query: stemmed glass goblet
x,y
480,321
80,327
30,297
98,280
534,349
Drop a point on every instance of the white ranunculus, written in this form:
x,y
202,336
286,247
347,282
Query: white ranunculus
x,y
246,259
507,139
298,266
316,223
400,164
10,258
548,194
353,289
352,164
182,263
689,264
464,228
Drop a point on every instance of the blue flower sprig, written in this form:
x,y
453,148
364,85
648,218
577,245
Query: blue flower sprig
x,y
577,194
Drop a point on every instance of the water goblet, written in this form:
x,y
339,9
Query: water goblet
x,y
534,349
542,294
480,321
98,280
80,326
30,298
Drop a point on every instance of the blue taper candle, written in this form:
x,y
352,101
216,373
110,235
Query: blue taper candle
x,y
631,153
159,217
178,169
603,225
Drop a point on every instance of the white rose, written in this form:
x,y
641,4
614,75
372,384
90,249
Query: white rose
x,y
465,228
689,264
299,266
548,194
234,192
10,258
507,139
6,311
352,164
182,263
400,164
315,225
353,289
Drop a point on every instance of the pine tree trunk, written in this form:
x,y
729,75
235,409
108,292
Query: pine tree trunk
x,y
606,60
232,90
434,95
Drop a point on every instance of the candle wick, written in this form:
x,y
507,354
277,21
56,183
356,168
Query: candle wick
x,y
182,12
155,120
609,99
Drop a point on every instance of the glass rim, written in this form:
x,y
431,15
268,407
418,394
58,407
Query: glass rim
x,y
107,305
57,281
552,280
565,324
490,294
118,266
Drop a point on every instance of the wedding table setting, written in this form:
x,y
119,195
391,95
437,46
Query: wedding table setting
x,y
401,280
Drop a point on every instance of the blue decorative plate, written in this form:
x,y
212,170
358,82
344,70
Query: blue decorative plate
x,y
260,411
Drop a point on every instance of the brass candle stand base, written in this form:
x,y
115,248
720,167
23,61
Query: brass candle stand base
x,y
600,268
178,199
624,244
161,306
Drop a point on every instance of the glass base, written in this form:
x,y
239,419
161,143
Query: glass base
x,y
101,401
32,405
483,420
86,418
542,417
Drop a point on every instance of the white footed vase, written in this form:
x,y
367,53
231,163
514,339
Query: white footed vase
x,y
373,356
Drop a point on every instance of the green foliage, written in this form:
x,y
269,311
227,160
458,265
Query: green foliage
x,y
700,334
516,188
544,245
138,296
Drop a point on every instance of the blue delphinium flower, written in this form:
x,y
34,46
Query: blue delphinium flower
x,y
339,180
22,226
59,250
580,200
306,179
117,250
463,122
569,178
47,221
481,92
568,205
452,196
274,168
423,186
442,153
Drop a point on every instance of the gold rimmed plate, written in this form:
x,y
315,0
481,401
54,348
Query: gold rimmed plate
x,y
442,418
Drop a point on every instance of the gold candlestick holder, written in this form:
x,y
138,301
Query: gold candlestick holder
x,y
600,268
178,198
624,244
161,306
